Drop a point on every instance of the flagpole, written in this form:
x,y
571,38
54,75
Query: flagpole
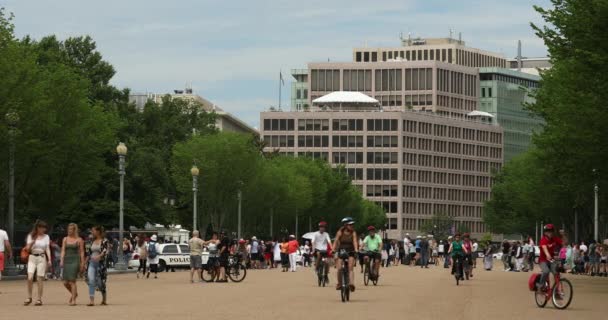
x,y
280,79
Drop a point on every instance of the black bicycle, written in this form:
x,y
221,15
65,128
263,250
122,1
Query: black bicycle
x,y
345,289
458,268
235,270
322,269
369,272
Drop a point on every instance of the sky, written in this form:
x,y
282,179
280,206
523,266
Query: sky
x,y
231,52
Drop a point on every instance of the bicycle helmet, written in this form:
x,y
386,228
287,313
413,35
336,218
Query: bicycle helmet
x,y
322,224
549,227
348,220
371,228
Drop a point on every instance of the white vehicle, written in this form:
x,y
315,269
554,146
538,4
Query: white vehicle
x,y
170,255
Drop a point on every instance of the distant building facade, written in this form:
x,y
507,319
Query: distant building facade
x,y
414,164
503,94
225,121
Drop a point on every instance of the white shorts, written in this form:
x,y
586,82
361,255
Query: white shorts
x,y
37,265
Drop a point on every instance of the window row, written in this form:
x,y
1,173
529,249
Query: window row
x,y
314,155
382,125
279,141
382,174
347,157
347,141
446,178
382,157
456,82
419,79
313,124
382,141
446,194
381,190
325,80
347,125
313,141
278,124
357,80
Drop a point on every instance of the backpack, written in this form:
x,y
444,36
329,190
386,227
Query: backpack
x,y
152,250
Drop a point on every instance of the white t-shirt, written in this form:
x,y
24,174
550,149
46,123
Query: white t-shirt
x,y
475,246
441,248
583,248
3,237
320,241
406,241
40,245
306,249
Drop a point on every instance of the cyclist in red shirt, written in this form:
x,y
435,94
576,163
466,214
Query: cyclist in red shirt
x,y
548,244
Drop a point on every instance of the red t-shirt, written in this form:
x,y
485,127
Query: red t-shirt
x,y
551,244
292,246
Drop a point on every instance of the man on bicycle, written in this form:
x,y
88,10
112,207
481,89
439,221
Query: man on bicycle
x,y
548,243
320,243
373,243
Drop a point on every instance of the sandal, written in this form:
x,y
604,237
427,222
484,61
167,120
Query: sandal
x,y
38,303
27,302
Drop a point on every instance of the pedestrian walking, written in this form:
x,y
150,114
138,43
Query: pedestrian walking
x,y
255,253
276,254
424,252
285,255
153,250
6,251
196,259
268,248
72,261
141,248
448,258
97,273
127,250
292,249
56,258
506,249
38,246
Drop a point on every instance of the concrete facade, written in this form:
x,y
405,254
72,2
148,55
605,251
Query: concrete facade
x,y
414,164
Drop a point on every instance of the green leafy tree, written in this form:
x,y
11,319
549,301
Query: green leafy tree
x,y
440,225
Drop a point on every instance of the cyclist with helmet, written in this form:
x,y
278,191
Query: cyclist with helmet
x,y
373,244
548,244
346,239
321,243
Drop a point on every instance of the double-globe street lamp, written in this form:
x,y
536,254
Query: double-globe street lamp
x,y
195,172
121,150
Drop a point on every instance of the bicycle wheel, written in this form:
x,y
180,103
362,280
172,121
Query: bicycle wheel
x,y
541,297
320,275
324,274
366,275
562,294
237,273
208,275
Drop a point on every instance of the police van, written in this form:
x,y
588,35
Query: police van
x,y
171,255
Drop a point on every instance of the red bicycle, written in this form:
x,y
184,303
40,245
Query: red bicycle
x,y
560,294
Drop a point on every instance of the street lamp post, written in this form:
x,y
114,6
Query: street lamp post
x,y
121,150
596,190
12,119
240,198
194,171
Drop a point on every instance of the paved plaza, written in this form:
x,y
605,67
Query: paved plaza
x,y
403,292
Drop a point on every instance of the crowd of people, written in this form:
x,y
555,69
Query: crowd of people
x,y
74,256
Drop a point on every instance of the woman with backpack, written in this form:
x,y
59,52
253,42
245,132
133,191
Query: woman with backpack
x,y
153,250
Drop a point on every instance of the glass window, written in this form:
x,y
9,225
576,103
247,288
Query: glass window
x,y
325,124
429,79
305,93
267,124
414,79
290,123
346,80
275,124
321,80
336,79
378,80
360,80
368,80
385,80
184,248
370,125
170,249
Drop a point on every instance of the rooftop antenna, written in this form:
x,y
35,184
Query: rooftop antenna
x,y
519,55
459,37
409,38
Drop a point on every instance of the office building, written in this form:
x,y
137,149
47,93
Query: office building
x,y
504,94
224,122
412,163
299,89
